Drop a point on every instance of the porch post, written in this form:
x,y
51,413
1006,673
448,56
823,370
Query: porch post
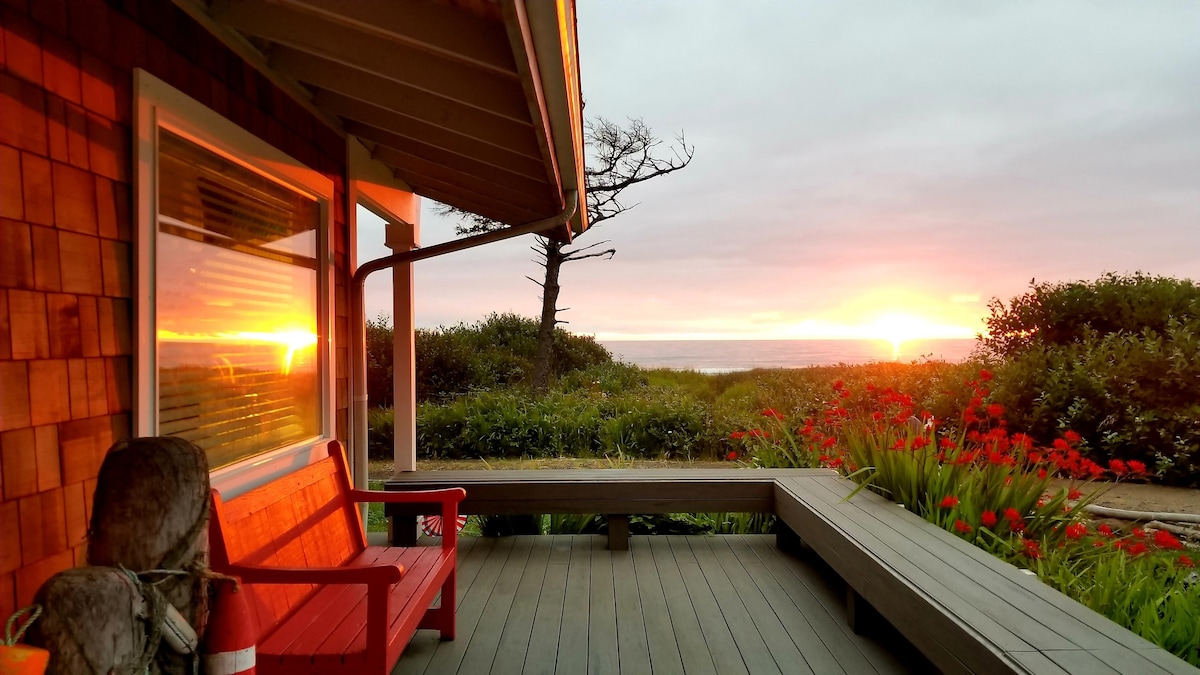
x,y
402,237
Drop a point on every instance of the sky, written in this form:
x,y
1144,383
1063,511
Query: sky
x,y
864,169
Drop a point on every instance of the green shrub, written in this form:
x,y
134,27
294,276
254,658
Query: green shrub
x,y
497,352
1132,395
1116,360
607,378
646,422
381,433
379,361
1061,313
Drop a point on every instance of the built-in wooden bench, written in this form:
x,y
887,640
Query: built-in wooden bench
x,y
964,609
322,600
615,493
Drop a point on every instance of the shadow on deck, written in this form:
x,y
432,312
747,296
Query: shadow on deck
x,y
671,604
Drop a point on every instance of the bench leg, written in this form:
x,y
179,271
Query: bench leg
x,y
618,532
402,530
787,540
860,615
442,618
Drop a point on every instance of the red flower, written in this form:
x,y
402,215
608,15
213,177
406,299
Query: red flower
x,y
1137,549
1015,522
995,410
1138,532
737,435
837,386
1118,467
962,526
757,433
1137,467
1105,530
984,375
988,518
1076,530
1165,539
1032,549
731,456
829,442
1186,561
1074,494
1072,437
949,502
1119,544
947,443
771,412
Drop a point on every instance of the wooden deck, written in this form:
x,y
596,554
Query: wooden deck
x,y
672,604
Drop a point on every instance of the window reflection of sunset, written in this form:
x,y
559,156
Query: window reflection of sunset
x,y
294,340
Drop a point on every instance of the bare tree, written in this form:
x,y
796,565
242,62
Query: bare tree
x,y
619,157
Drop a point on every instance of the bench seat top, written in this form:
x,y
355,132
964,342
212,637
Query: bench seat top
x,y
329,628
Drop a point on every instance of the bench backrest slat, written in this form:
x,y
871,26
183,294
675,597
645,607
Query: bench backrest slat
x,y
304,519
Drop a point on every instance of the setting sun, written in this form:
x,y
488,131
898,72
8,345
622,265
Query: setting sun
x,y
898,328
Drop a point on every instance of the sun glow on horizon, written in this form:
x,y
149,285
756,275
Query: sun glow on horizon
x,y
894,316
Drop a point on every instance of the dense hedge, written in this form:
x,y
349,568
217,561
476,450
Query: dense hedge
x,y
643,423
1116,360
497,352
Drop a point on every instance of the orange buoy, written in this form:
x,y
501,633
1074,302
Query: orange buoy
x,y
17,659
229,645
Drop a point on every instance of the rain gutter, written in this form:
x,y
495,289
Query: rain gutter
x,y
358,340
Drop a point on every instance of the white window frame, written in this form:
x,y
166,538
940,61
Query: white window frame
x,y
161,106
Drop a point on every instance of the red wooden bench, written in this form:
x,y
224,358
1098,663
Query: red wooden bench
x,y
323,601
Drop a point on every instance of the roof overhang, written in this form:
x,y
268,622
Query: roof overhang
x,y
472,103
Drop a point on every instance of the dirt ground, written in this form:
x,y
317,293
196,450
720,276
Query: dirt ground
x,y
1146,497
1131,496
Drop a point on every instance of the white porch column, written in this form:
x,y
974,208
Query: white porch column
x,y
401,237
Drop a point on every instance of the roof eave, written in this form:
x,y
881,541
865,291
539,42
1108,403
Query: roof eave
x,y
552,27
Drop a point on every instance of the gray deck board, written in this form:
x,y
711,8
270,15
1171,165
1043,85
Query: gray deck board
x,y
814,601
633,651
730,608
565,604
755,613
602,618
713,626
485,640
542,654
665,656
573,635
518,626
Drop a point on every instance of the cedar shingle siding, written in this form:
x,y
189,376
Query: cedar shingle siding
x,y
67,250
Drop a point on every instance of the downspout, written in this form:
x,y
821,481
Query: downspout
x,y
358,337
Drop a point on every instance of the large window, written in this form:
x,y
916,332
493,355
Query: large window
x,y
236,306
235,355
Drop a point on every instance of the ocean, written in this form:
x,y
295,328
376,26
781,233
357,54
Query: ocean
x,y
723,356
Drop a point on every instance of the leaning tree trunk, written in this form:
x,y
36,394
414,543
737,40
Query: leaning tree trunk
x,y
545,338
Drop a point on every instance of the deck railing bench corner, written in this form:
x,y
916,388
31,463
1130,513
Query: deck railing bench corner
x,y
320,598
962,608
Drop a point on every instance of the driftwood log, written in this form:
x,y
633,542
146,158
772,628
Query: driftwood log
x,y
150,518
93,622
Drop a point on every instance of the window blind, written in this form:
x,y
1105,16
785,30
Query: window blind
x,y
236,305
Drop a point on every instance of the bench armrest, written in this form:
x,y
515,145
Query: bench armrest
x,y
443,496
356,574
448,497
